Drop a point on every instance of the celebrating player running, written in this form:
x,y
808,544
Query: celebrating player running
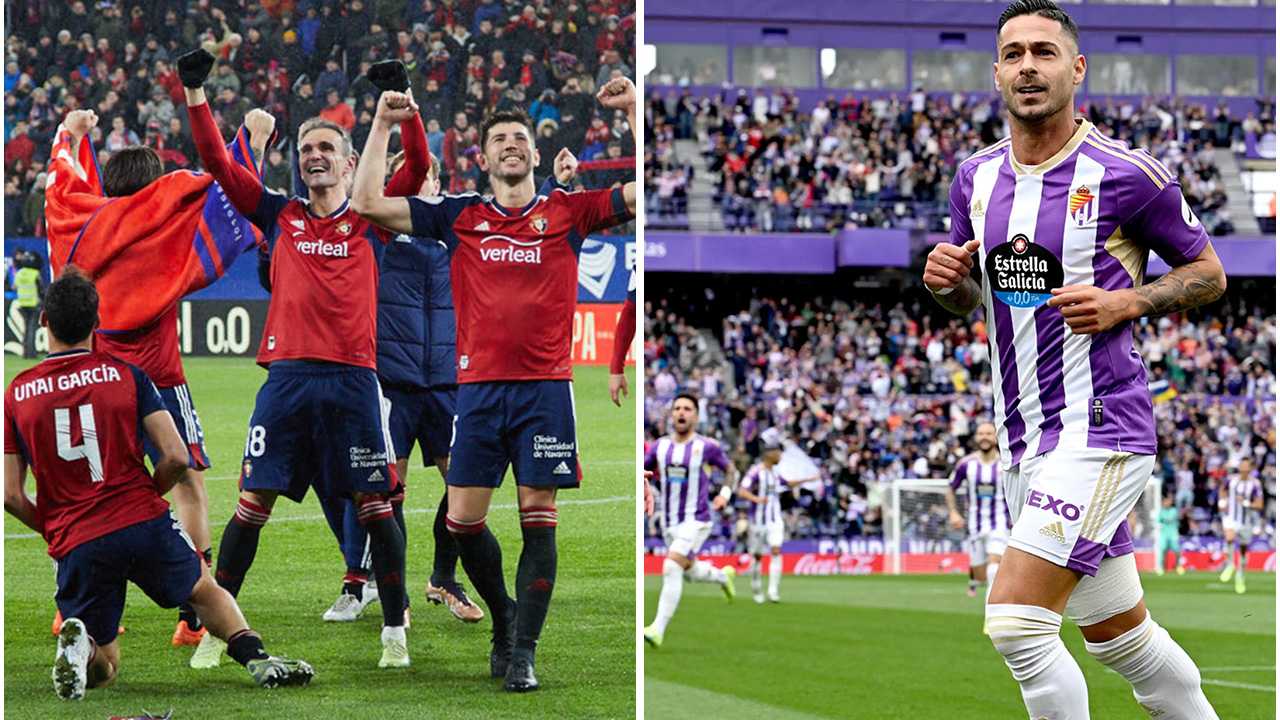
x,y
515,279
1062,218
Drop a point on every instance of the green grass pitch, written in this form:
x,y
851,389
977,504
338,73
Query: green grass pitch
x,y
586,660
885,647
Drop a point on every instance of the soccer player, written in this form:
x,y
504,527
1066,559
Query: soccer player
x,y
1241,506
623,335
762,486
679,464
148,239
988,522
319,419
1062,218
514,274
1167,539
77,421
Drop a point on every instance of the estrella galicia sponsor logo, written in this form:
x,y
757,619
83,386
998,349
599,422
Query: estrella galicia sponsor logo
x,y
1022,273
677,473
513,251
1057,506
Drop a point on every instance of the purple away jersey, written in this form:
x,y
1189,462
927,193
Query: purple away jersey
x,y
684,483
766,483
981,483
1089,215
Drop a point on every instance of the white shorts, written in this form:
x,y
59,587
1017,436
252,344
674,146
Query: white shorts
x,y
1243,531
982,547
1069,506
760,538
687,538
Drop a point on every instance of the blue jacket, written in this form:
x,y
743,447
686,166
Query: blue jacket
x,y
416,330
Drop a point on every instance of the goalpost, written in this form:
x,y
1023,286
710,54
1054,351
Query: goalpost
x,y
918,535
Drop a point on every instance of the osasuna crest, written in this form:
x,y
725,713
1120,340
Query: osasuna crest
x,y
539,224
344,227
1083,206
246,469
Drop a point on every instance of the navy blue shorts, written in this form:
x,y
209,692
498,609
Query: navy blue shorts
x,y
156,555
183,410
319,424
527,425
424,417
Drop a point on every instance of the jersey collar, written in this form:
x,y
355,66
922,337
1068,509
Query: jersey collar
x,y
67,353
493,202
1082,129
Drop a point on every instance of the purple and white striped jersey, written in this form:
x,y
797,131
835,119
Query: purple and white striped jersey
x,y
767,483
981,481
1089,215
684,483
1242,493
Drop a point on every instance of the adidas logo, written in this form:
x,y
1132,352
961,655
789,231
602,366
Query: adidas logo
x,y
376,477
482,227
562,469
1054,530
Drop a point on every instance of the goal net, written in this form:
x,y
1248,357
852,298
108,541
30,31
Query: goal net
x,y
919,538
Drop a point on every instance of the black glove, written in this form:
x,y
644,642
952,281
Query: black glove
x,y
194,67
389,75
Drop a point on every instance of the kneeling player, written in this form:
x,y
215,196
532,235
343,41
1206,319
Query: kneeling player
x,y
988,523
78,419
763,486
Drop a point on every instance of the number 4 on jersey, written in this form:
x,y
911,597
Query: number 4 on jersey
x,y
88,448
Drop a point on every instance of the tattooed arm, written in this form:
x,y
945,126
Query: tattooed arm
x,y
963,300
1088,309
1197,283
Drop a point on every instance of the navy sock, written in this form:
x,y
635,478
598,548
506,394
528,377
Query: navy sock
x,y
244,646
445,561
386,545
481,557
240,545
535,575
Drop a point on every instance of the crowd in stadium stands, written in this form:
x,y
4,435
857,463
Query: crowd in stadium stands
x,y
881,161
301,58
875,393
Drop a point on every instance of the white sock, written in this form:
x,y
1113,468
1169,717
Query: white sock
x,y
755,576
703,571
669,598
394,632
1165,681
991,577
775,574
1027,636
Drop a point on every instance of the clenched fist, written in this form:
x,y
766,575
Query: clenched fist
x,y
618,94
948,266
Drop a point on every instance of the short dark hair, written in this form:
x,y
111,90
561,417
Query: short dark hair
x,y
71,306
1042,8
319,123
504,116
685,396
129,170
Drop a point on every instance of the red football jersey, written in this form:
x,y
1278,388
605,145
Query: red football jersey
x,y
324,283
77,419
515,276
154,349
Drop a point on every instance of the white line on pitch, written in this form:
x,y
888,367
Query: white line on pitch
x,y
410,511
1239,685
587,467
1238,668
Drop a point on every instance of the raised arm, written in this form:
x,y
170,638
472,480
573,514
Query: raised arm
x,y
392,76
368,197
243,188
620,94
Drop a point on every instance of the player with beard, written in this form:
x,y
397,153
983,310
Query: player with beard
x,y
1063,218
515,283
988,521
148,238
679,465
319,420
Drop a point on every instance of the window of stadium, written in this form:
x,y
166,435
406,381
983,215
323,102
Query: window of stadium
x,y
688,64
962,70
1127,74
1269,77
756,66
867,69
1230,75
